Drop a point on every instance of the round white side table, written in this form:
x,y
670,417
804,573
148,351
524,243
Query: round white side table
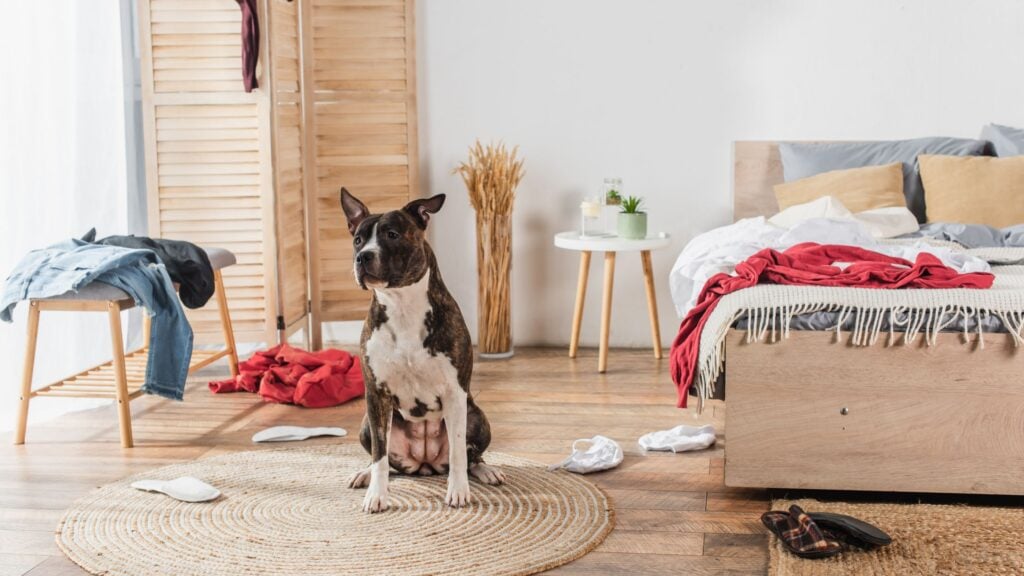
x,y
610,246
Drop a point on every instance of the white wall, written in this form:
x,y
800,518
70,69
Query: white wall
x,y
655,91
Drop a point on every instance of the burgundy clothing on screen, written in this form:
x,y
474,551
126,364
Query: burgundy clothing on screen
x,y
250,42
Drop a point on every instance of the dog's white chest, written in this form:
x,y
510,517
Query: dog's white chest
x,y
400,363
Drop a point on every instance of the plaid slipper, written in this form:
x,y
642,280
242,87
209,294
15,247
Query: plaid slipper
x,y
800,534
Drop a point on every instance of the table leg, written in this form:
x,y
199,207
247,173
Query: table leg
x,y
581,294
606,310
652,301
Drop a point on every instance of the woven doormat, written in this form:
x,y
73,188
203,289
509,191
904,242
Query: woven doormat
x,y
927,539
289,511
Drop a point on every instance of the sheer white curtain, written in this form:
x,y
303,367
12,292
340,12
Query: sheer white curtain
x,y
66,165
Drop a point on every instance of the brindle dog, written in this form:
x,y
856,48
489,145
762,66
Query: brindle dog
x,y
417,359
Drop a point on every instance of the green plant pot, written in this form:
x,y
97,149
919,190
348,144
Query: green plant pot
x,y
632,226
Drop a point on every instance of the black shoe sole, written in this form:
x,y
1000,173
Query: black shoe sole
x,y
856,528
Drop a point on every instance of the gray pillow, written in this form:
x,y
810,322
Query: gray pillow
x,y
1006,141
801,160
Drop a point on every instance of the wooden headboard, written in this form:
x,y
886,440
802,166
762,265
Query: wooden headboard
x,y
756,168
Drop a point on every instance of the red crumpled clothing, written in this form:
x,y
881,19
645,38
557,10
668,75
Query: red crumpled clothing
x,y
289,375
808,264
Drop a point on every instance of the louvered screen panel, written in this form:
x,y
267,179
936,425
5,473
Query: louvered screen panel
x,y
207,152
364,111
285,51
199,45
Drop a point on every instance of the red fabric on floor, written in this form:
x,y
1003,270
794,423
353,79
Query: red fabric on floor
x,y
808,264
289,375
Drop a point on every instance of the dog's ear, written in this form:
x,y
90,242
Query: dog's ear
x,y
355,211
420,210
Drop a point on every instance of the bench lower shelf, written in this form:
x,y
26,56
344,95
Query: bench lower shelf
x,y
101,381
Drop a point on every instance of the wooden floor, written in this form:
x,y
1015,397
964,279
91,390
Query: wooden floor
x,y
673,513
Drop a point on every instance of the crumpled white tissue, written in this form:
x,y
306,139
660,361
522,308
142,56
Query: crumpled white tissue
x,y
603,453
682,438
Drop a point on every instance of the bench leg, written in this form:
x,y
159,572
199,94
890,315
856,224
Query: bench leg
x,y
225,321
120,377
26,374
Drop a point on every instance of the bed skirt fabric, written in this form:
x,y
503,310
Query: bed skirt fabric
x,y
896,317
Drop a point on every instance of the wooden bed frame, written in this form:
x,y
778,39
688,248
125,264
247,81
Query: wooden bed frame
x,y
813,412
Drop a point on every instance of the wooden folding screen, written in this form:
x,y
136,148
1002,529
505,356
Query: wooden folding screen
x,y
209,170
287,94
258,173
363,67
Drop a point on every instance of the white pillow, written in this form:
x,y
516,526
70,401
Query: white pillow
x,y
880,222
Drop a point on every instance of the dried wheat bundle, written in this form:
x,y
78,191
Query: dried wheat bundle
x,y
491,175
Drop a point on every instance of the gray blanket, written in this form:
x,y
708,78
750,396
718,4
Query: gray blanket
x,y
972,235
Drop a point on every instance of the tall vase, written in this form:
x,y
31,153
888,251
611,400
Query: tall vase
x,y
494,266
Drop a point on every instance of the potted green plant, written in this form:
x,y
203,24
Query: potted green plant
x,y
632,222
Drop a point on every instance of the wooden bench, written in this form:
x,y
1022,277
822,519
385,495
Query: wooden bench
x,y
121,378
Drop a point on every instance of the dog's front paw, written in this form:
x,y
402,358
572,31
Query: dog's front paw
x,y
376,500
458,493
487,474
360,479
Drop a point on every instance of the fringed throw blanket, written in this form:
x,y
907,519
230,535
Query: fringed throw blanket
x,y
851,280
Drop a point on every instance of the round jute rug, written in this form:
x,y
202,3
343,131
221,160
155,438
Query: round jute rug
x,y
288,511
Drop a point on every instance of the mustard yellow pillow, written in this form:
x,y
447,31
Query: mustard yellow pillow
x,y
973,189
859,189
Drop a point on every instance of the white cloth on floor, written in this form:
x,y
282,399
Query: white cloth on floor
x,y
293,433
603,453
682,438
185,488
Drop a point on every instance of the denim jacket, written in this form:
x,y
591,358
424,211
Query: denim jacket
x,y
70,265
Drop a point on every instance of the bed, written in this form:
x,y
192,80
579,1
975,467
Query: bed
x,y
814,411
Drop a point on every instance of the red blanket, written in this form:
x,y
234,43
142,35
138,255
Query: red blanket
x,y
813,265
292,376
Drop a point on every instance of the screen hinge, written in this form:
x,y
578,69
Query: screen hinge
x,y
280,323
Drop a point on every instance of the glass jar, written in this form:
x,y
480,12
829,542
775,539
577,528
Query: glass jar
x,y
612,191
591,222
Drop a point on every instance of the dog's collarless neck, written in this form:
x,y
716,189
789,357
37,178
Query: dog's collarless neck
x,y
398,299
